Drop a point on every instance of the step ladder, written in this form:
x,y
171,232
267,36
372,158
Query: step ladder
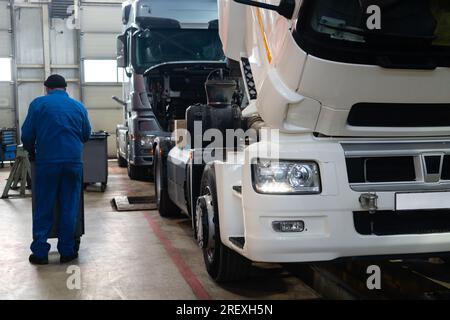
x,y
20,175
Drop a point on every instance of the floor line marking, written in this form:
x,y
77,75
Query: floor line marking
x,y
186,272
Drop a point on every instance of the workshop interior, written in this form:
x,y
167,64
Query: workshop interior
x,y
225,150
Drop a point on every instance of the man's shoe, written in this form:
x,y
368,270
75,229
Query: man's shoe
x,y
37,261
66,259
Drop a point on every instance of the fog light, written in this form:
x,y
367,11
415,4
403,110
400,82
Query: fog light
x,y
288,226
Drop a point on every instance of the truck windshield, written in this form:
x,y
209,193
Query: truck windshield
x,y
172,45
340,29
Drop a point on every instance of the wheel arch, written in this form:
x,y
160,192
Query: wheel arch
x,y
229,204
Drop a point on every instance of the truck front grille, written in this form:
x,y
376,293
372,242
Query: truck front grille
x,y
380,169
399,115
385,223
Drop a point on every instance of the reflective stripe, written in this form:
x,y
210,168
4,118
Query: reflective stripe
x,y
261,27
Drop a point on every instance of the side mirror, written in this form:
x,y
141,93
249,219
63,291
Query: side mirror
x,y
119,101
286,8
122,52
126,9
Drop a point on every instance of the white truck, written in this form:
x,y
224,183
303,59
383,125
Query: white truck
x,y
358,92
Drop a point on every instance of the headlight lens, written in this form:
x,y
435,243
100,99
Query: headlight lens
x,y
147,141
285,177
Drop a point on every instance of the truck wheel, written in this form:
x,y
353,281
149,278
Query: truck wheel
x,y
136,173
122,162
165,205
222,263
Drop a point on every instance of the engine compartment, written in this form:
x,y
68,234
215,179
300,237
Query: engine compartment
x,y
174,87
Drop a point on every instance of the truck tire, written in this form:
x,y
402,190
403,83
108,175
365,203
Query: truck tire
x,y
222,263
123,163
135,172
165,205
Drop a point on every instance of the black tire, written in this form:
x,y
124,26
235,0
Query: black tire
x,y
135,172
222,264
165,205
123,163
103,187
192,212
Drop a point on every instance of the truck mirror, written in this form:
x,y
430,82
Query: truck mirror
x,y
126,13
119,101
286,8
122,56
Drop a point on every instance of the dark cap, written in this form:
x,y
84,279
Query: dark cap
x,y
55,81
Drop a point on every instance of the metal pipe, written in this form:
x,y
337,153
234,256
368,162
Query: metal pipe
x,y
79,34
46,40
15,95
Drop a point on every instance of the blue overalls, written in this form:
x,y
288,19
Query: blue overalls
x,y
55,129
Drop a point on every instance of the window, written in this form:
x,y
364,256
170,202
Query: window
x,y
165,45
414,34
5,69
101,71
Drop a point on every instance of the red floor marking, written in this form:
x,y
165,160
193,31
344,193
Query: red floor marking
x,y
182,267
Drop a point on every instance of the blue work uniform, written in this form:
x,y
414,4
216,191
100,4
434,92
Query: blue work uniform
x,y
54,131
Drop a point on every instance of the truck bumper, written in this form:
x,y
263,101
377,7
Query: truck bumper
x,y
331,231
328,236
143,161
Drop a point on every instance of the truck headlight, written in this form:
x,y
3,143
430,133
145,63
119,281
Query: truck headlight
x,y
286,177
147,141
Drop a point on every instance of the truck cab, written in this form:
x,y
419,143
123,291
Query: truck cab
x,y
356,95
166,52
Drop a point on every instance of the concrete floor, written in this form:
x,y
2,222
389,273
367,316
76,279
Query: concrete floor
x,y
130,255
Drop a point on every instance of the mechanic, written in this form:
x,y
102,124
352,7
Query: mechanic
x,y
54,132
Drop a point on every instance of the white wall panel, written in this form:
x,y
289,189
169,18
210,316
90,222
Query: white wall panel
x,y
27,93
99,97
5,19
29,36
7,113
106,120
104,113
73,89
98,46
5,95
7,118
63,44
101,19
5,44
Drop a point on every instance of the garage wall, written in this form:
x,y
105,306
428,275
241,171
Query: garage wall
x,y
43,45
100,24
7,109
